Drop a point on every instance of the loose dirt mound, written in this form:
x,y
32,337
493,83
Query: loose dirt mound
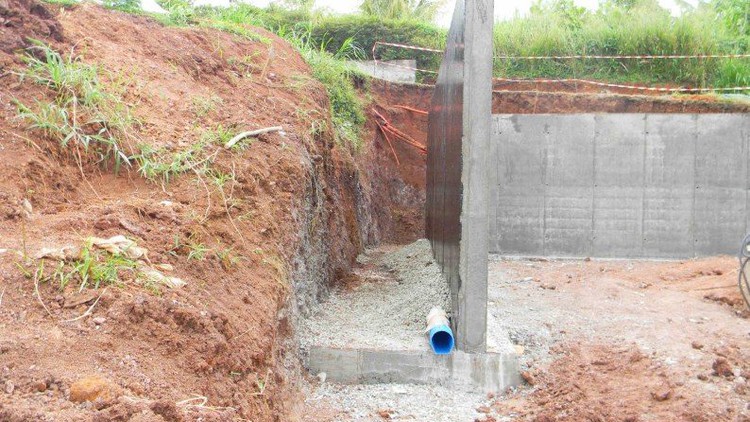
x,y
606,383
624,340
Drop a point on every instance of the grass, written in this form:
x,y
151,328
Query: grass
x,y
555,28
197,251
328,67
93,268
203,106
338,76
327,57
161,166
220,135
227,258
83,114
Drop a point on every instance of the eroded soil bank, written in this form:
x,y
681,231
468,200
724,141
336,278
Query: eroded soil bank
x,y
257,238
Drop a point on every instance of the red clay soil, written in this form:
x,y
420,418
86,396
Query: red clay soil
x,y
564,97
591,382
297,203
23,19
403,181
700,374
532,102
223,340
586,88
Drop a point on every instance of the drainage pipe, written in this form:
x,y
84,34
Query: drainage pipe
x,y
439,332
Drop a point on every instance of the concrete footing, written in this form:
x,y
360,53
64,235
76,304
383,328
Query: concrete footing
x,y
485,372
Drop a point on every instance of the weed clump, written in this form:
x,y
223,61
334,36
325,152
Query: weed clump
x,y
338,76
329,65
83,116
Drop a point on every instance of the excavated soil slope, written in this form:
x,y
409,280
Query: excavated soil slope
x,y
255,253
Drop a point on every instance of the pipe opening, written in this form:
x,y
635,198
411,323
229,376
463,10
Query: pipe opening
x,y
441,340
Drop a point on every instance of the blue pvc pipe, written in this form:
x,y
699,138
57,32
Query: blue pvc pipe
x,y
441,340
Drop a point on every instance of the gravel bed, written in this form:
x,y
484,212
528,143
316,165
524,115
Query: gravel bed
x,y
387,310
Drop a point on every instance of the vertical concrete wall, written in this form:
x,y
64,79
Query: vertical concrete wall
x,y
392,70
457,165
620,185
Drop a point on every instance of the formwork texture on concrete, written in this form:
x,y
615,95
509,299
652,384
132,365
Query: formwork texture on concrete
x,y
457,168
620,185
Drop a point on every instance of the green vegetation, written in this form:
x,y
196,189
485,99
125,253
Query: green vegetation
x,y
160,165
195,250
736,16
93,268
420,10
339,77
552,28
623,27
364,31
96,268
329,65
83,114
129,6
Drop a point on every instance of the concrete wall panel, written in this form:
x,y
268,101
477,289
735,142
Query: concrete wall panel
x,y
720,189
519,200
669,186
568,165
621,185
458,172
619,150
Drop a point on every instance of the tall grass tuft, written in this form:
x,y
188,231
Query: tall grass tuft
x,y
82,114
329,65
337,75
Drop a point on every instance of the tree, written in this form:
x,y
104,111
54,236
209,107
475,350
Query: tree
x,y
736,14
572,15
423,10
303,5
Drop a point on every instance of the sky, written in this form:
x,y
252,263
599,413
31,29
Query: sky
x,y
504,9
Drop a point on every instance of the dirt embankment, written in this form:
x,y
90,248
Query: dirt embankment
x,y
256,239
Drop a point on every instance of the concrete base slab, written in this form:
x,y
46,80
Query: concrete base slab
x,y
486,373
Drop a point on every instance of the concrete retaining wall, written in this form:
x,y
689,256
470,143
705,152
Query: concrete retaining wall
x,y
457,165
620,185
393,70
